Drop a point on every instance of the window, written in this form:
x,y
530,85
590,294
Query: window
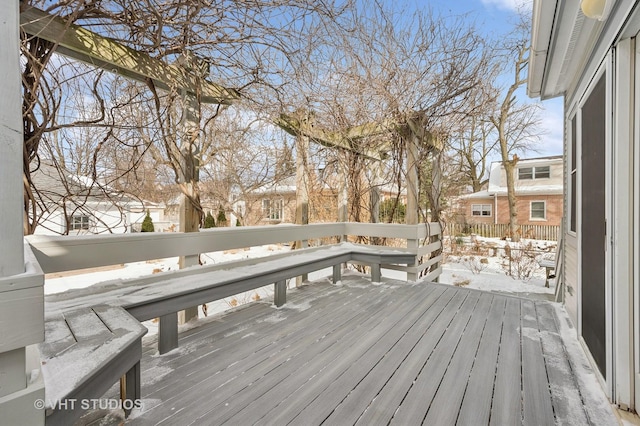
x,y
79,222
272,209
481,210
525,173
538,210
540,172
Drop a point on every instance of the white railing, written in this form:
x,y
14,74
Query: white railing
x,y
66,253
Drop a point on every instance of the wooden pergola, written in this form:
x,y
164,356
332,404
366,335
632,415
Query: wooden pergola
x,y
305,129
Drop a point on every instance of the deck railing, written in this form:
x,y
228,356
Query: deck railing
x,y
66,253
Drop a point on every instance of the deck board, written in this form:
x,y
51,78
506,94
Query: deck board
x,y
476,404
507,394
536,398
450,392
367,354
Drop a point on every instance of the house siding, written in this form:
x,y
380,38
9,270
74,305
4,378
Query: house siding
x,y
570,277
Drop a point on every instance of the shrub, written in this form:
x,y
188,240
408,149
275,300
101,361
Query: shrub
x,y
520,260
475,265
221,220
147,224
209,221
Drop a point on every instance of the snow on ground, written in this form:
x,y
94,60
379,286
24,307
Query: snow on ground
x,y
482,263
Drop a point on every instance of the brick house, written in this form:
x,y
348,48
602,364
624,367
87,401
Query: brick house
x,y
538,183
275,202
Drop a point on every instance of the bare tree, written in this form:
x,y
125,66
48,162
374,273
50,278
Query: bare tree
x,y
413,75
516,123
246,42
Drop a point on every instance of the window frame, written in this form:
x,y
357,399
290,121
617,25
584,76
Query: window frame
x,y
531,173
547,172
544,210
83,224
273,209
482,210
525,176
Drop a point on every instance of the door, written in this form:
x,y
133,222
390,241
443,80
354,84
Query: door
x,y
592,228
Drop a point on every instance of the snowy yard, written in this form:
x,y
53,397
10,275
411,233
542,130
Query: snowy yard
x,y
484,264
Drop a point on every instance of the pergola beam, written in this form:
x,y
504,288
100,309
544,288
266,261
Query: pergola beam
x,y
296,127
86,46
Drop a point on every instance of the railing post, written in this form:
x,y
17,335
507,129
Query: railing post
x,y
21,294
413,245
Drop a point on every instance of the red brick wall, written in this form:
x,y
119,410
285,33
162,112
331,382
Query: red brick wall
x,y
553,210
523,205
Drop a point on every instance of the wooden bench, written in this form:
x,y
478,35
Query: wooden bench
x,y
549,265
85,352
104,320
163,295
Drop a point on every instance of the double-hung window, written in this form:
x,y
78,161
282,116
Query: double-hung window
x,y
481,210
272,209
539,172
538,210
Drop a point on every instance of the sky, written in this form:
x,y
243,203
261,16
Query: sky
x,y
494,17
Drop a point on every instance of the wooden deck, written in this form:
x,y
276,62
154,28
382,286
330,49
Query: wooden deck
x,y
368,354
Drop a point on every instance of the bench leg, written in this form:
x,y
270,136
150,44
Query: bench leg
x,y
337,273
280,293
168,333
130,388
376,275
548,276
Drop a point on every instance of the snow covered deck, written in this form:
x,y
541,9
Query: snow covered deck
x,y
373,354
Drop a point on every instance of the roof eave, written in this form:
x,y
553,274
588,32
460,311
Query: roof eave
x,y
544,12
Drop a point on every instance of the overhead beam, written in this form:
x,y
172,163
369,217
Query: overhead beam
x,y
343,140
84,45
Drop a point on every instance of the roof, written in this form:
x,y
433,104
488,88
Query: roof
x,y
564,43
497,188
283,186
480,194
56,185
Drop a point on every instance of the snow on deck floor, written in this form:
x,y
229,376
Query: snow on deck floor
x,y
358,353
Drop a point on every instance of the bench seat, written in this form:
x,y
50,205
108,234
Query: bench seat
x,y
549,266
85,352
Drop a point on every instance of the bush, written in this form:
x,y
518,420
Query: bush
x,y
147,223
221,220
238,222
520,260
209,221
392,211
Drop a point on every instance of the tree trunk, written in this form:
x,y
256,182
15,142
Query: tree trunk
x,y
509,168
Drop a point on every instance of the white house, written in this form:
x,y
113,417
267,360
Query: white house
x,y
76,205
592,61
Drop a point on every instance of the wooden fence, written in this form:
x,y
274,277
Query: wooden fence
x,y
490,230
